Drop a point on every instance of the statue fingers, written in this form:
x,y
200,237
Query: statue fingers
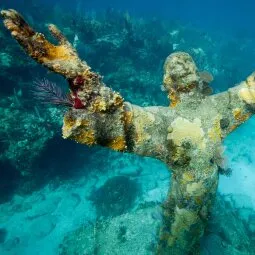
x,y
57,34
15,23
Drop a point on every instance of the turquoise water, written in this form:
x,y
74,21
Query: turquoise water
x,y
59,197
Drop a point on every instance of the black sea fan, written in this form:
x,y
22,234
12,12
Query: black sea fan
x,y
48,92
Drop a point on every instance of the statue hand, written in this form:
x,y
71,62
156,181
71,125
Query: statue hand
x,y
61,58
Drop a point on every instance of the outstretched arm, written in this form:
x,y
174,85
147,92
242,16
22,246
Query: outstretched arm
x,y
130,128
99,114
235,105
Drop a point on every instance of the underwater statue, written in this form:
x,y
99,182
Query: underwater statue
x,y
187,136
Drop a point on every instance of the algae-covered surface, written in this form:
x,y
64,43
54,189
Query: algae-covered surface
x,y
150,86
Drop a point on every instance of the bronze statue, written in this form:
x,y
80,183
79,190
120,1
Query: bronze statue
x,y
187,135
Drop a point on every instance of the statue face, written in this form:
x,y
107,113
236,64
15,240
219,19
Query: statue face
x,y
180,73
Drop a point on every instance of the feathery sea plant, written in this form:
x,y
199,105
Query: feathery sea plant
x,y
48,92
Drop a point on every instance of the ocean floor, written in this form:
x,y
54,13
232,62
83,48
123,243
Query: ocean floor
x,y
64,219
37,224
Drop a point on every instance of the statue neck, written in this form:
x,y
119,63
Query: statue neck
x,y
189,100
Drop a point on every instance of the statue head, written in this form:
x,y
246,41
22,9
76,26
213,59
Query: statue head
x,y
181,77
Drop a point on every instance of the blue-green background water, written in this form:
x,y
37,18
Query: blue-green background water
x,y
50,187
217,15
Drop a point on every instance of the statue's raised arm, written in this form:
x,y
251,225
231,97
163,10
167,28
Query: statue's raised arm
x,y
236,105
99,114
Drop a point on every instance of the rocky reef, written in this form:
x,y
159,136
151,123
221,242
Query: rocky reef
x,y
115,197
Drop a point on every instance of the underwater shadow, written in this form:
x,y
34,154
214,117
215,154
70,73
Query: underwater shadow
x,y
61,160
9,181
